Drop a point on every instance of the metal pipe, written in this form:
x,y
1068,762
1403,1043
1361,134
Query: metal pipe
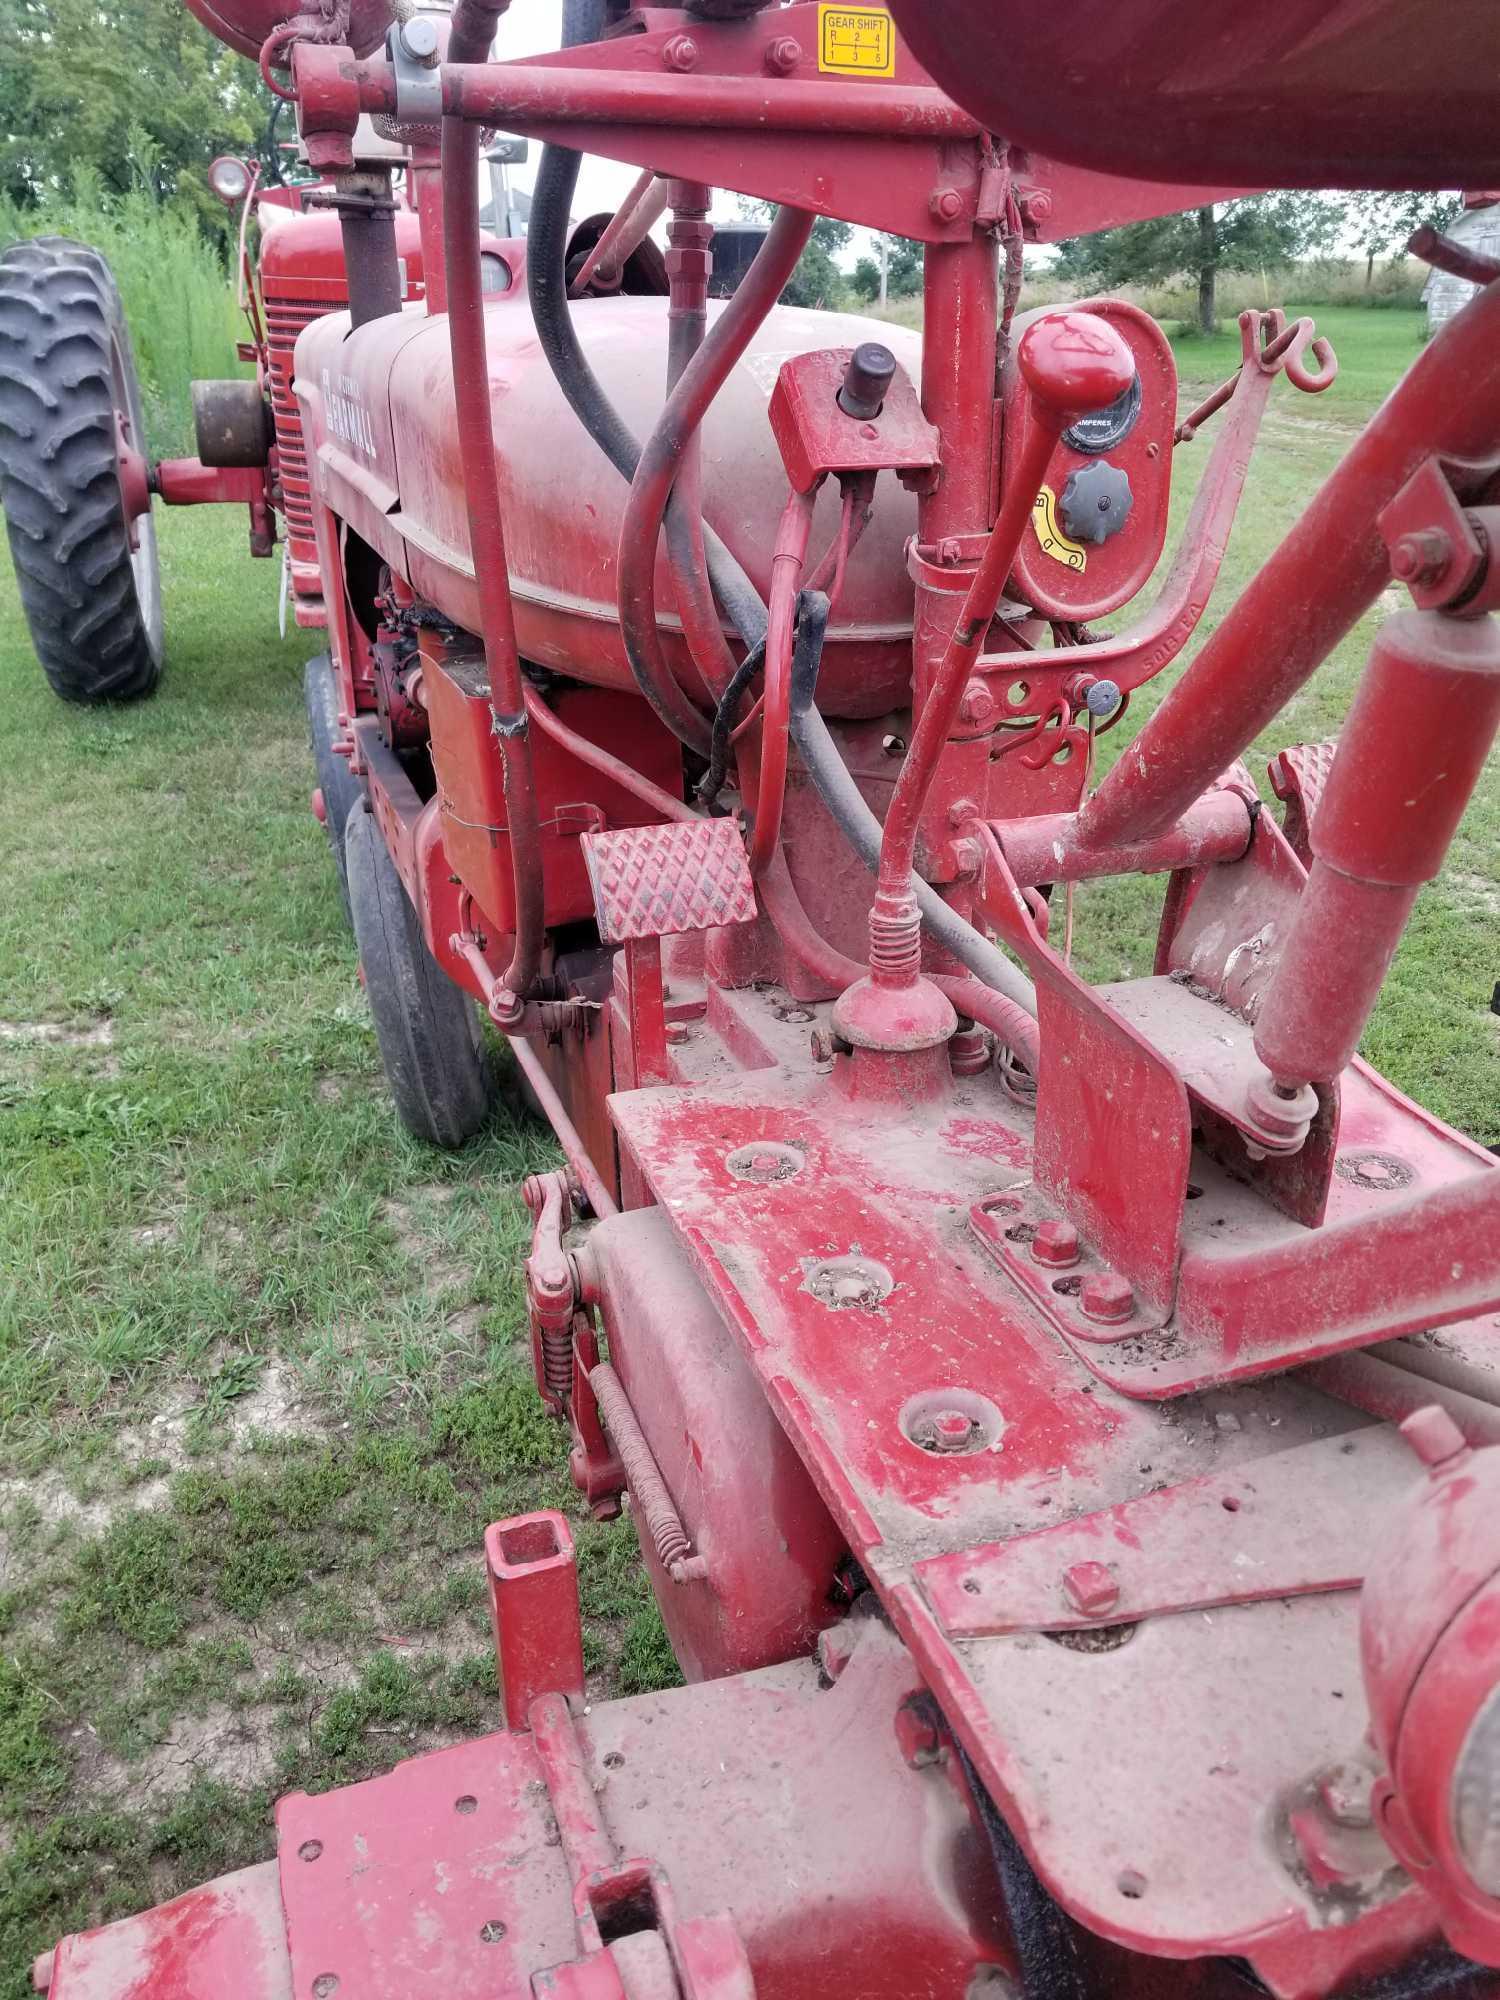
x,y
1323,577
600,1200
599,759
526,96
1395,1394
367,230
623,234
471,391
1050,848
661,457
570,1789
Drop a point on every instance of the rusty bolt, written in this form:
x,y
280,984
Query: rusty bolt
x,y
1090,1587
1106,1296
1421,557
977,705
783,55
1344,1794
1055,1243
946,204
1433,1435
679,52
677,1034
820,1042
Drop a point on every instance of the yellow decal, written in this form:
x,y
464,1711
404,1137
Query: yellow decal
x,y
1072,555
856,41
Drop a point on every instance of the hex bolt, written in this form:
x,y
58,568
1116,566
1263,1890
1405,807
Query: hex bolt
x,y
677,1034
1421,557
977,705
946,204
961,812
679,52
1036,205
1344,1794
783,55
1091,1588
1055,1243
1106,1296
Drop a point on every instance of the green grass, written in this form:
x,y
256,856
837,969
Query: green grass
x,y
262,1371
262,1376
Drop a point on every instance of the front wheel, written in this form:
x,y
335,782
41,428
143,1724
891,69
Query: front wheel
x,y
341,790
70,424
427,1028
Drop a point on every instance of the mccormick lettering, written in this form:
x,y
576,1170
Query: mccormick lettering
x,y
347,416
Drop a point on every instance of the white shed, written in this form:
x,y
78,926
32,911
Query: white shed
x,y
1478,228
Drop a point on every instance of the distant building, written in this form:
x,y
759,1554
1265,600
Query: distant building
x,y
1478,228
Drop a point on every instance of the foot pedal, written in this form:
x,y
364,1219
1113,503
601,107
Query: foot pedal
x,y
1297,778
657,881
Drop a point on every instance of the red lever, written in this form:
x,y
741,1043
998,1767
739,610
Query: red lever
x,y
1073,363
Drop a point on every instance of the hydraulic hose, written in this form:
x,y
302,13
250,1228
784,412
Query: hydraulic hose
x,y
497,628
656,471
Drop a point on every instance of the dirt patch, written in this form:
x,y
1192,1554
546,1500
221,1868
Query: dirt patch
x,y
237,1746
1477,891
440,1273
99,1034
274,1408
47,1499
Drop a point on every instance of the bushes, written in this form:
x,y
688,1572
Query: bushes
x,y
179,298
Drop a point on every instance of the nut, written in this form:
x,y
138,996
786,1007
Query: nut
x,y
1421,557
961,812
1107,1297
1091,1587
1344,1793
1036,204
677,1034
783,55
679,52
1055,1243
946,204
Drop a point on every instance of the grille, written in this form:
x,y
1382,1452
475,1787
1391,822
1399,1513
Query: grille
x,y
285,319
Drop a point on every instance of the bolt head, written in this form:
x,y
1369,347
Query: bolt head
x,y
1091,1588
977,704
677,1034
1055,1243
946,204
1344,1794
952,1426
419,37
783,55
820,1045
679,52
961,812
1107,1297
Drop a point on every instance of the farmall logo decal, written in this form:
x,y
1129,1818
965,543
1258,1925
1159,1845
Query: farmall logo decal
x,y
347,416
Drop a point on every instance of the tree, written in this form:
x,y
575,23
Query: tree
x,y
903,272
79,74
1381,222
1228,236
817,280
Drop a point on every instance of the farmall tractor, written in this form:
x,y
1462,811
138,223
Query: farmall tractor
x,y
1061,1419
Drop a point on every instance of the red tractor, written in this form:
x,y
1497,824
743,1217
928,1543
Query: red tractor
x,y
1058,1417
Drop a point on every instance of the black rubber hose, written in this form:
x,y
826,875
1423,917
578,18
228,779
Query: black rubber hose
x,y
834,784
547,285
712,782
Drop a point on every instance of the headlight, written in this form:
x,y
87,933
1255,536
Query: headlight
x,y
229,178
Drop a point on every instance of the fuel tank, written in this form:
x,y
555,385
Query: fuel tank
x,y
378,410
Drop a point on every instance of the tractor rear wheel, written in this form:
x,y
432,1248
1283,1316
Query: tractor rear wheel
x,y
340,788
71,435
427,1028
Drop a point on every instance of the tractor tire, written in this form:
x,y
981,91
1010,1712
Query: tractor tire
x,y
427,1028
341,790
66,370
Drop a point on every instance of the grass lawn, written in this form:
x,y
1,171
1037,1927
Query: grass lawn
x,y
261,1380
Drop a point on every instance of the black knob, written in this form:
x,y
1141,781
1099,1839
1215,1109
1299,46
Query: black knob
x,y
867,376
1096,502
